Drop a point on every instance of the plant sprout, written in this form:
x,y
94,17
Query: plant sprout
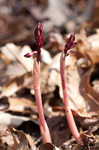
x,y
36,83
69,44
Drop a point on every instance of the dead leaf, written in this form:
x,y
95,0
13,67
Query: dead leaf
x,y
48,146
57,40
79,78
21,105
84,100
48,76
13,139
12,120
14,111
16,71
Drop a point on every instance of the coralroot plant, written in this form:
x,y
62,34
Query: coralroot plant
x,y
69,44
36,83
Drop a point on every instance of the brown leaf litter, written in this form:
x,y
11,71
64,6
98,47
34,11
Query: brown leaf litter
x,y
81,70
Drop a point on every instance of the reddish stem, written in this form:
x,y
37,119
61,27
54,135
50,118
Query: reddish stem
x,y
36,83
68,112
43,125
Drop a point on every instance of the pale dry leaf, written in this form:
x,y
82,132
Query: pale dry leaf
x,y
83,98
22,105
88,46
50,77
15,68
13,85
13,120
57,40
45,56
14,111
5,135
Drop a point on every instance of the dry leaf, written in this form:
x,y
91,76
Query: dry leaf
x,y
14,111
83,98
22,105
48,146
13,139
16,70
13,120
57,40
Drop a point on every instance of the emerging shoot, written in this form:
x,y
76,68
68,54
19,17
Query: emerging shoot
x,y
69,44
36,83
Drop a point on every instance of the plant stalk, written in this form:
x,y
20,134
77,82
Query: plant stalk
x,y
68,112
36,83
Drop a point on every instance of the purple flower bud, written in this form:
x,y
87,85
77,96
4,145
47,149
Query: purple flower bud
x,y
39,41
38,35
70,43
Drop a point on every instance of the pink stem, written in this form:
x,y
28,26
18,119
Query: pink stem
x,y
68,112
43,125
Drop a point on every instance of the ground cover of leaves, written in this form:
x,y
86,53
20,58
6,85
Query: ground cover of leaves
x,y
19,122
